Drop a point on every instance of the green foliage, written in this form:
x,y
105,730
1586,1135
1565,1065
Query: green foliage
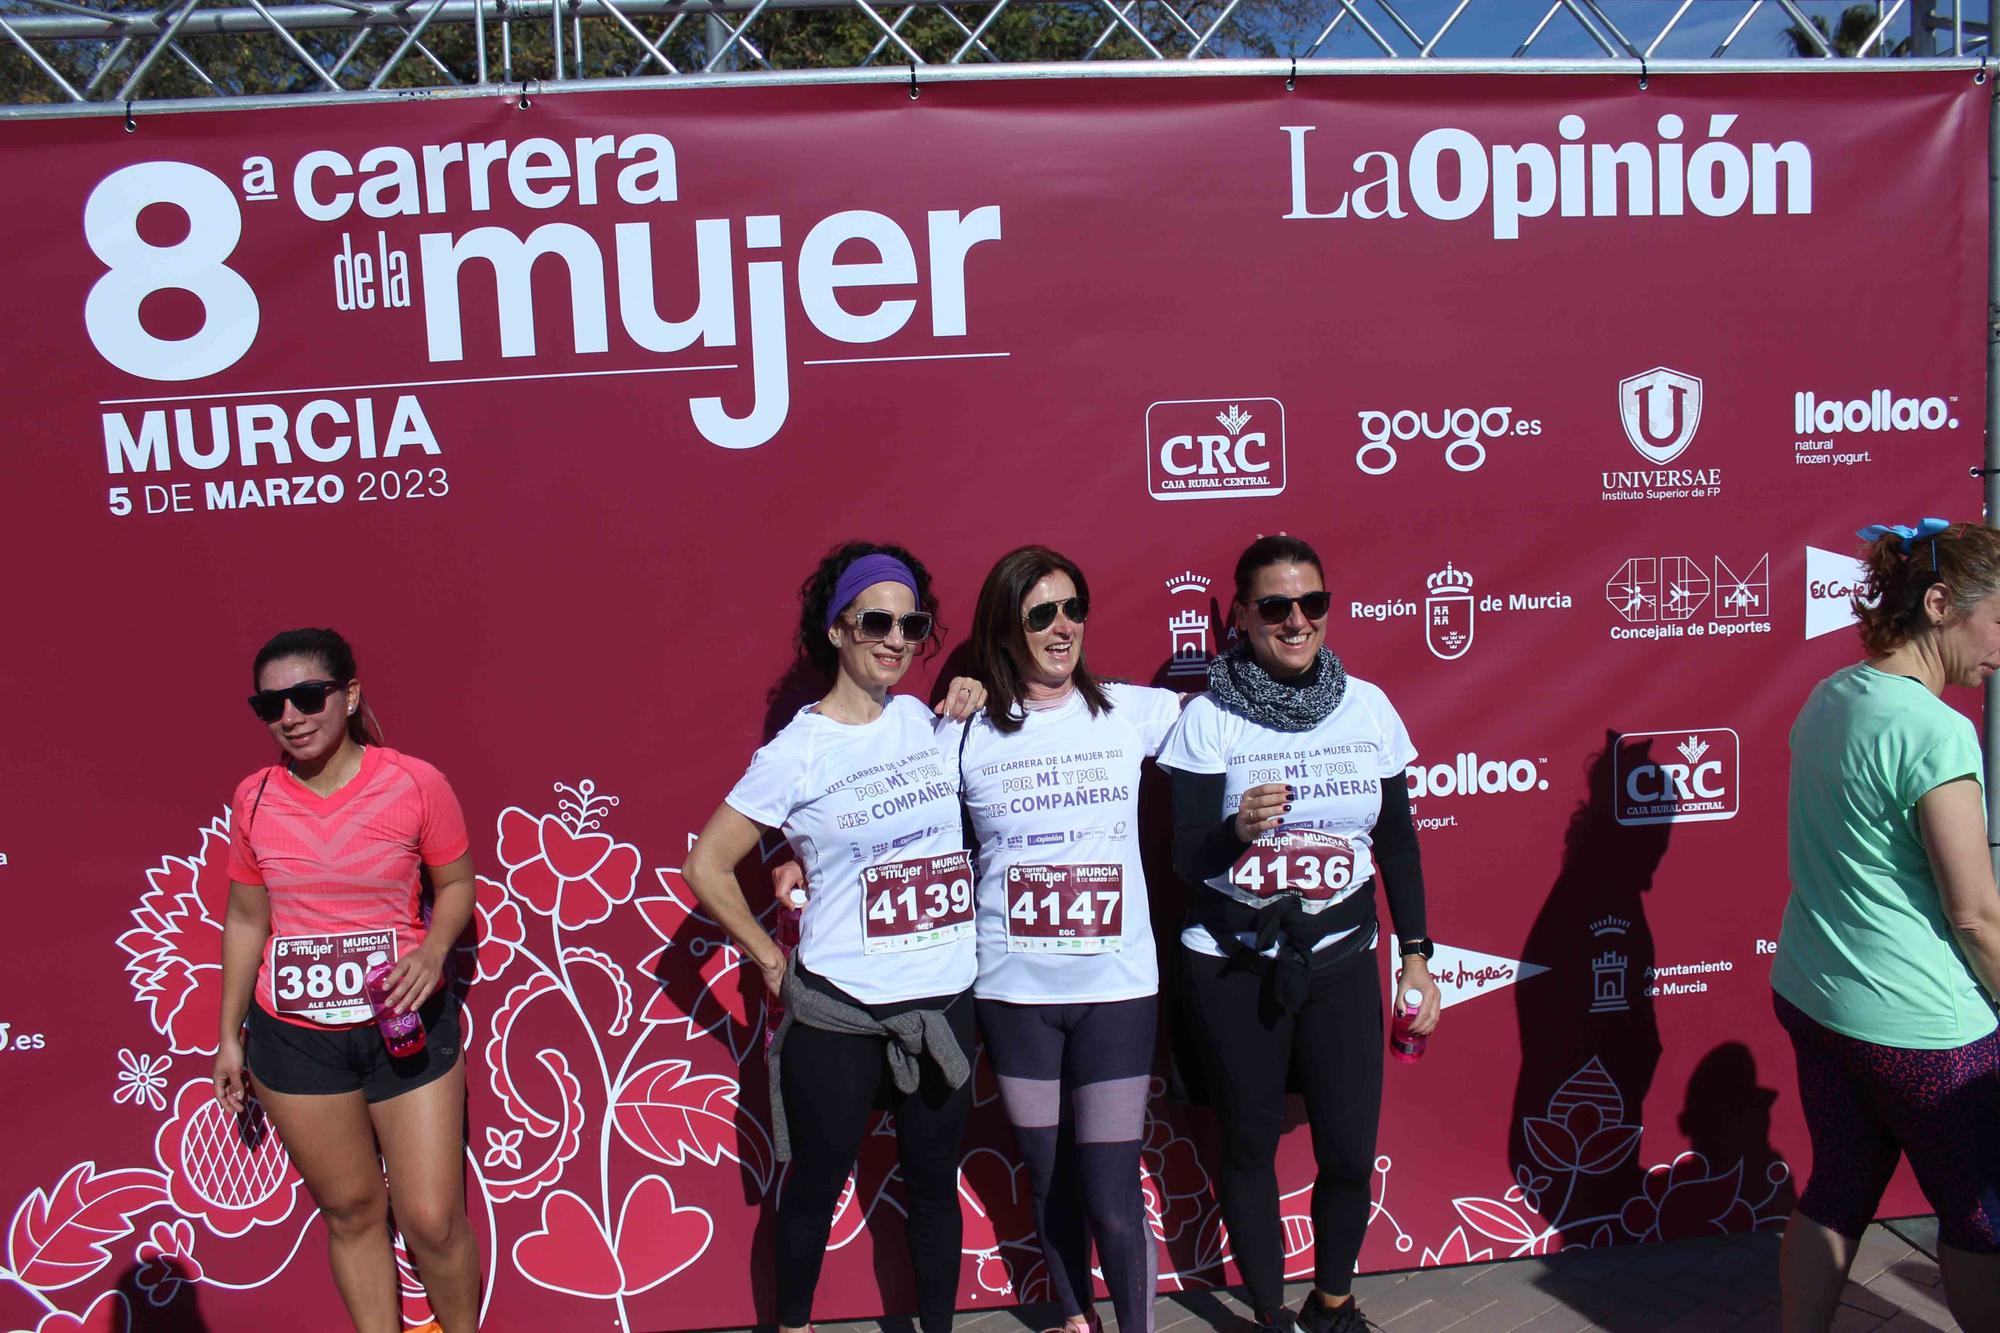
x,y
1845,37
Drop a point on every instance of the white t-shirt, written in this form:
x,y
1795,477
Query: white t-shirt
x,y
872,813
1336,771
1063,912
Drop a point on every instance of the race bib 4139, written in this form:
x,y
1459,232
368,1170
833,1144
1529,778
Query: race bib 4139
x,y
916,904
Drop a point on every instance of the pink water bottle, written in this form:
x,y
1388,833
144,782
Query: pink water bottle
x,y
403,1034
785,934
1406,1046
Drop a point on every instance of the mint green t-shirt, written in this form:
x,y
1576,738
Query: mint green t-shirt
x,y
1865,949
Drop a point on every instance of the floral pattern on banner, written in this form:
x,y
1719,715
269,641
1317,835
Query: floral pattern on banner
x,y
1584,1135
166,1259
616,1040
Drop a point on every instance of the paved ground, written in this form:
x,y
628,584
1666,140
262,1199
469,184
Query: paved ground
x,y
1687,1287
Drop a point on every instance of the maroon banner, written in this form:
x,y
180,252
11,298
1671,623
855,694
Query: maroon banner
x,y
1579,385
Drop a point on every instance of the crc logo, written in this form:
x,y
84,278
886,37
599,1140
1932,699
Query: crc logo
x,y
1660,409
1676,777
1215,449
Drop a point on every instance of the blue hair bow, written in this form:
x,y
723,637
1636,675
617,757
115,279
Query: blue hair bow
x,y
1929,528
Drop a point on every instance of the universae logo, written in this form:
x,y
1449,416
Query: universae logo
x,y
1660,410
1693,779
1207,449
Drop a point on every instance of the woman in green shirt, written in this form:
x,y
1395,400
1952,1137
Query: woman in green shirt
x,y
1889,956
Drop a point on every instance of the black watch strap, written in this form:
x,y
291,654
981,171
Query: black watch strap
x,y
1417,945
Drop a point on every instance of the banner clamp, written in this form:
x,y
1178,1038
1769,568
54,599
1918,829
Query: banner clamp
x,y
913,81
1292,79
1980,77
131,125
1644,72
525,103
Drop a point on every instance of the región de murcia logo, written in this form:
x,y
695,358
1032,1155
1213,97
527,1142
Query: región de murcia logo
x,y
1449,609
1448,612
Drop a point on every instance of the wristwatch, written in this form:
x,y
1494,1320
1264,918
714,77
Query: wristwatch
x,y
1419,945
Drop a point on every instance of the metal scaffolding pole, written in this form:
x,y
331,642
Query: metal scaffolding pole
x,y
66,50
1991,476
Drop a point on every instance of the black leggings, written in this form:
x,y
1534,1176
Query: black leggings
x,y
1075,1078
832,1084
1335,1044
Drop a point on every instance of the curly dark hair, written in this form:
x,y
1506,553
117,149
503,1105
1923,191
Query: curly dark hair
x,y
1000,644
1889,607
335,658
817,591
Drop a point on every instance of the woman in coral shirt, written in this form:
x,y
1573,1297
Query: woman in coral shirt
x,y
328,850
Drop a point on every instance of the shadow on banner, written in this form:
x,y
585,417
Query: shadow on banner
x,y
1590,1042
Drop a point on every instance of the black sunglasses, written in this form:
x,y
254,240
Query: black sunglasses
x,y
1277,610
308,696
1043,614
870,625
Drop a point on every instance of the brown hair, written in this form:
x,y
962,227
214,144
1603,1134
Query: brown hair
x,y
1000,644
1965,557
1277,549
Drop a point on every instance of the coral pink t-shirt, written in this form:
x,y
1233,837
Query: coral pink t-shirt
x,y
343,874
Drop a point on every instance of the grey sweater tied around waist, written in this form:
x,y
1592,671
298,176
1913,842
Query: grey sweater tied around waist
x,y
914,1036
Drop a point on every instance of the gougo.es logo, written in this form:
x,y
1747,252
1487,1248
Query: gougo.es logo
x,y
10,1040
1463,431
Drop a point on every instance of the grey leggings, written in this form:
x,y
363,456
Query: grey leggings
x,y
1075,1078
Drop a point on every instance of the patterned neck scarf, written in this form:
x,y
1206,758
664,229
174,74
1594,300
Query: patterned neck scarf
x,y
1297,703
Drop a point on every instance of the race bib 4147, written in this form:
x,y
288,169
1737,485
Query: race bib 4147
x,y
1065,909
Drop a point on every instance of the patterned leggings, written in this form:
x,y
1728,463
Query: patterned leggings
x,y
1866,1104
1075,1079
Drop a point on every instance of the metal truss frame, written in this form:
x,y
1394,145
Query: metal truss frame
x,y
104,55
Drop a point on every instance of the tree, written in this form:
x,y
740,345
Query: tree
x,y
1854,26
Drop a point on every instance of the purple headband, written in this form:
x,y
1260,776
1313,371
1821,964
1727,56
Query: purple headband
x,y
865,573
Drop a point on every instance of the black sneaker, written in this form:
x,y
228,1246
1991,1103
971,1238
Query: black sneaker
x,y
1317,1318
1279,1319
